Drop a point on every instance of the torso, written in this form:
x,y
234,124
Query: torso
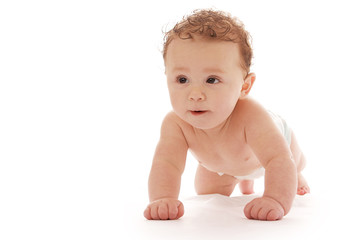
x,y
226,152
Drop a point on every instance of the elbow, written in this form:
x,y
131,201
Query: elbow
x,y
281,161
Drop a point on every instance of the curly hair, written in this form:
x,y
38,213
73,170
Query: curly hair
x,y
213,25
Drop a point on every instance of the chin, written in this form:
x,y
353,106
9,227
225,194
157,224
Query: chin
x,y
204,121
203,125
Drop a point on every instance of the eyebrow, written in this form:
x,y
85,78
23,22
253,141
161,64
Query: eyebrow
x,y
214,70
180,69
211,69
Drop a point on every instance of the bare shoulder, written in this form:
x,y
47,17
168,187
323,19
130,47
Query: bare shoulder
x,y
251,111
172,129
256,119
171,116
261,133
172,121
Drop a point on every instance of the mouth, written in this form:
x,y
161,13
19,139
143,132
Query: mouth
x,y
198,112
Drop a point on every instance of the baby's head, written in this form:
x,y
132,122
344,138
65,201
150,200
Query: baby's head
x,y
213,25
207,62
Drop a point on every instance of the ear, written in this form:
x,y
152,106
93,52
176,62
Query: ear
x,y
248,83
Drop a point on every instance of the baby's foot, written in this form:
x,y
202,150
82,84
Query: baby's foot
x,y
303,188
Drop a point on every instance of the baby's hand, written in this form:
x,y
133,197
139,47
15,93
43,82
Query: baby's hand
x,y
164,209
264,208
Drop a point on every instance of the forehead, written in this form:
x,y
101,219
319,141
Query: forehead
x,y
202,52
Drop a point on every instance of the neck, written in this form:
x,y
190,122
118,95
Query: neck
x,y
216,131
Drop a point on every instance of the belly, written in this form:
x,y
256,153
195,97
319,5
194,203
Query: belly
x,y
241,164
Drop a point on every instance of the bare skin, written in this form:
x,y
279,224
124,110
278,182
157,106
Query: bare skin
x,y
225,130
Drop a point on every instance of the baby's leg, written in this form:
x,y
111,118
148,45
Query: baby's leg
x,y
246,186
207,182
300,163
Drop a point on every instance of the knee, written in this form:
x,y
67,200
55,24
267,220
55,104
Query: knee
x,y
302,163
225,190
247,186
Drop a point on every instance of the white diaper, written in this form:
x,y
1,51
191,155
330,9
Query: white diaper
x,y
258,173
282,125
254,175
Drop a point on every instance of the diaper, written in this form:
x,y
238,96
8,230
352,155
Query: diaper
x,y
282,126
258,173
286,132
254,175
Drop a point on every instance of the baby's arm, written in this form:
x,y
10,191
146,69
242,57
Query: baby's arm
x,y
275,155
165,176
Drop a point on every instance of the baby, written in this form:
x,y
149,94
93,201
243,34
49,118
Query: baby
x,y
207,60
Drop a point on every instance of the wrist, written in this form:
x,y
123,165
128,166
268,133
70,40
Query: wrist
x,y
284,201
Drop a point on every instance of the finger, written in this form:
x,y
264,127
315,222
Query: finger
x,y
274,215
154,212
262,214
173,211
180,210
247,210
147,214
255,211
163,211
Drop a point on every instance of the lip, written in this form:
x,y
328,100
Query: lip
x,y
198,112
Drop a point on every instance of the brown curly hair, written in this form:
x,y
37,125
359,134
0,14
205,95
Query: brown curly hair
x,y
213,25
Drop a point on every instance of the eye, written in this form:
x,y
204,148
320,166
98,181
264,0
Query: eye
x,y
212,80
182,80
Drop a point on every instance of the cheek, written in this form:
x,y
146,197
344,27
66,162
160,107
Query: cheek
x,y
176,99
226,108
227,102
229,98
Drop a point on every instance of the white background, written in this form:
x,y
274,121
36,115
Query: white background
x,y
83,94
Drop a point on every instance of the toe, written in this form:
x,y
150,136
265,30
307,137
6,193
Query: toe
x,y
303,190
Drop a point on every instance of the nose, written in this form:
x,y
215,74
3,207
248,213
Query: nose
x,y
196,94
